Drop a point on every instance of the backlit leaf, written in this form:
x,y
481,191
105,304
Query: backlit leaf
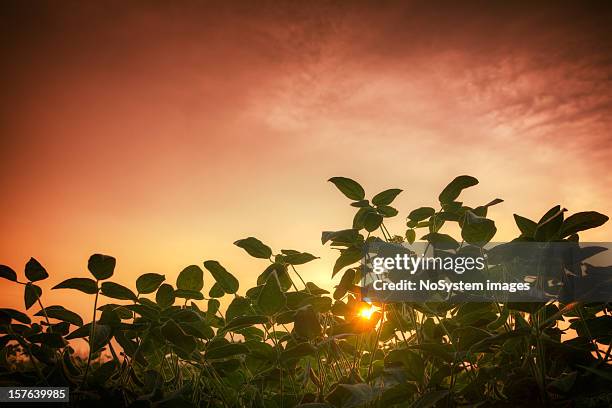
x,y
225,279
191,278
101,266
149,282
254,247
84,285
34,271
350,188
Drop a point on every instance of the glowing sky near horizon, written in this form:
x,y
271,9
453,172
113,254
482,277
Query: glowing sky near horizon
x,y
160,132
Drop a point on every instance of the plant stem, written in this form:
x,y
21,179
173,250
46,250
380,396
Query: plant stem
x,y
92,334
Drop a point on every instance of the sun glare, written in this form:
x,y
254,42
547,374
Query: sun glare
x,y
366,311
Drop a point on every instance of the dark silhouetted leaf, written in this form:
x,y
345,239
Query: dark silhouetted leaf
x,y
175,335
117,291
292,354
350,188
385,197
347,257
477,230
271,298
307,323
102,335
347,236
582,221
430,399
254,247
241,322
454,188
225,279
226,351
549,226
372,221
525,225
16,315
61,313
101,266
188,294
351,395
31,294
84,285
149,282
216,291
299,258
8,273
421,214
410,236
34,271
191,278
165,295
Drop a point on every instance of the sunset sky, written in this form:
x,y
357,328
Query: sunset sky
x,y
161,132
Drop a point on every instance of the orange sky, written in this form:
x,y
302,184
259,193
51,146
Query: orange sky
x,y
160,133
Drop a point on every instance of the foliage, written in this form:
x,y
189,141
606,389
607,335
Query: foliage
x,y
287,342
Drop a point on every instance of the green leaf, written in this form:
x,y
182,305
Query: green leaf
x,y
188,294
525,225
226,351
360,203
477,230
347,236
117,291
351,395
350,188
386,197
254,247
292,354
16,315
271,298
34,271
372,221
421,213
307,323
52,340
549,226
441,241
101,266
582,221
299,258
84,285
315,290
8,273
102,335
165,296
430,399
216,291
149,282
454,188
410,236
347,257
241,322
191,278
225,279
31,294
61,313
240,306
175,335
387,211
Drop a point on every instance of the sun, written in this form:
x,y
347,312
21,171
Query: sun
x,y
366,311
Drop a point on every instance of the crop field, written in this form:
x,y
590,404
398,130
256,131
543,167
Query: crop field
x,y
289,342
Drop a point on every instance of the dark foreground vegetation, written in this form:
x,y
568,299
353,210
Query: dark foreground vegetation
x,y
288,342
